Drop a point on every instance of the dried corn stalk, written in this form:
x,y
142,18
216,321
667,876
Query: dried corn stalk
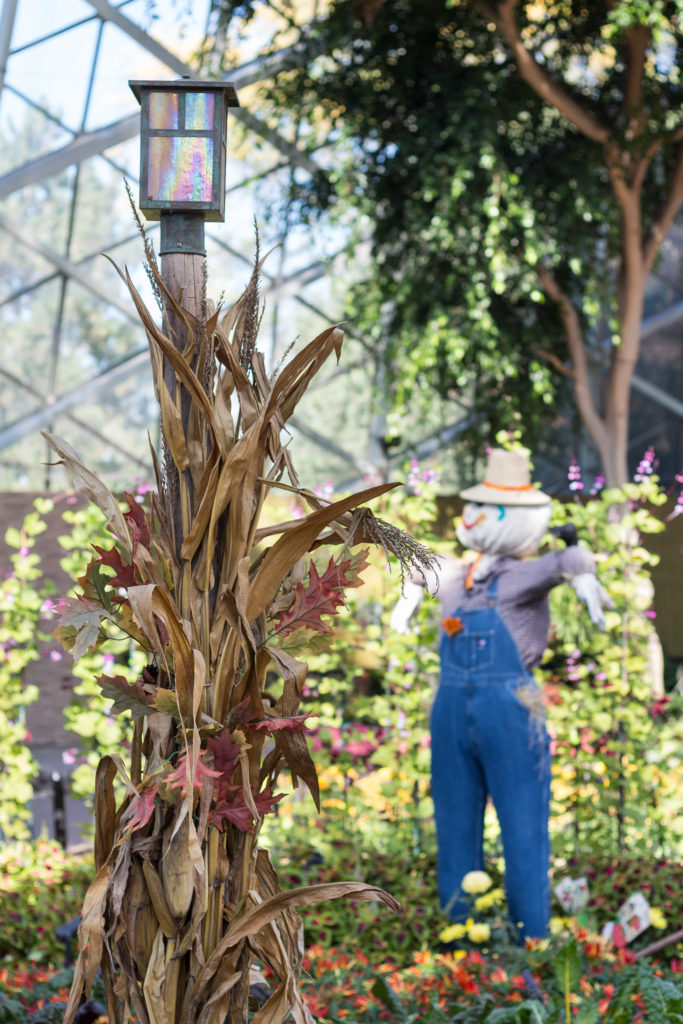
x,y
183,899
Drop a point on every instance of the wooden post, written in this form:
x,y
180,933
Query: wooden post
x,y
184,275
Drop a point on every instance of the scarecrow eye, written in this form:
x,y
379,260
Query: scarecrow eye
x,y
501,511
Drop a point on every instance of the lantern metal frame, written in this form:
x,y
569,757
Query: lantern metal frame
x,y
224,96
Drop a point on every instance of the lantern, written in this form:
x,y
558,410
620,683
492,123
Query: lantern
x,y
183,138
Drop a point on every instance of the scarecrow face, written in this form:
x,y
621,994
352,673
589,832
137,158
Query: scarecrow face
x,y
504,530
478,527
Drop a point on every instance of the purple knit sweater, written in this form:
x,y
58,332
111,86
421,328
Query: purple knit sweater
x,y
523,588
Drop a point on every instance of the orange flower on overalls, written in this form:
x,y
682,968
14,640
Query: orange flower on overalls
x,y
452,625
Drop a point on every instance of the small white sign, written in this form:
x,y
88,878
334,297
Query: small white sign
x,y
572,894
633,917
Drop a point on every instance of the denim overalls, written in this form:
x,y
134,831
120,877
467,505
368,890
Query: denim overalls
x,y
485,741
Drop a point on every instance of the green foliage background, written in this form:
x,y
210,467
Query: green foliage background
x,y
465,182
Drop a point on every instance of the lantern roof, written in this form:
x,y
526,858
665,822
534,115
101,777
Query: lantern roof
x,y
187,85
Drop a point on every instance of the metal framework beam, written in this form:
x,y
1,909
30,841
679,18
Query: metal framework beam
x,y
109,13
38,419
328,445
66,267
9,10
88,427
83,146
657,395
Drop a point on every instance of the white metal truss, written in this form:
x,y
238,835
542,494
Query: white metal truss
x,y
85,144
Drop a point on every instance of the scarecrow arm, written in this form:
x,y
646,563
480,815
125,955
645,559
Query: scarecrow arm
x,y
589,590
413,591
406,606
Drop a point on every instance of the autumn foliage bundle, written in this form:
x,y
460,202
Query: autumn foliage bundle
x,y
184,899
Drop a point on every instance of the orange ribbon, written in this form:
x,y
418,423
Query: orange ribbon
x,y
470,575
504,487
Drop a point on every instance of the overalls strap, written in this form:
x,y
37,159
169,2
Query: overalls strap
x,y
492,591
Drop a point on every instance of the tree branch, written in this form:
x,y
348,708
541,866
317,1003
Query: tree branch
x,y
577,354
670,207
643,165
551,358
503,16
638,39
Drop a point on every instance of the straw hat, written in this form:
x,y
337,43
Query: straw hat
x,y
507,481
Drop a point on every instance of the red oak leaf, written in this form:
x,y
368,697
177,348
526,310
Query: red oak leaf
x,y
178,779
352,567
140,810
124,574
225,753
296,723
323,595
126,696
240,715
138,524
80,625
239,814
95,584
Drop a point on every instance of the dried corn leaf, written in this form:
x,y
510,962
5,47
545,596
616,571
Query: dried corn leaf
x,y
157,892
159,728
294,378
140,922
248,401
275,1009
118,884
108,979
202,516
214,503
175,358
294,749
253,920
215,1007
105,810
153,986
289,923
294,674
225,426
303,896
172,426
149,602
177,873
269,947
76,992
90,932
87,484
286,551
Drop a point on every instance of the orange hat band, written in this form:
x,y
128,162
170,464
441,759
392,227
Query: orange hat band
x,y
504,487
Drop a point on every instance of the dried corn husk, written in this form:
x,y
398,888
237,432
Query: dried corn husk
x,y
183,898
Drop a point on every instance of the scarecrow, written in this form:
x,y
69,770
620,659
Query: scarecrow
x,y
487,723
